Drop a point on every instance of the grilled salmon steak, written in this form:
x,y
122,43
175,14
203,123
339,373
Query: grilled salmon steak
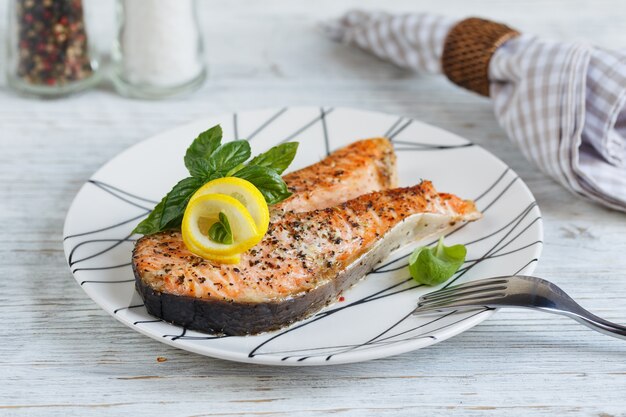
x,y
304,261
359,168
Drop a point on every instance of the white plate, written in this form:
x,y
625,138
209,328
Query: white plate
x,y
374,320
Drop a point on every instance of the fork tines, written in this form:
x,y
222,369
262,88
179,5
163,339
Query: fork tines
x,y
471,292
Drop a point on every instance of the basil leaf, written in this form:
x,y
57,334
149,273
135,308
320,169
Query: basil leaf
x,y
278,158
432,266
220,231
228,156
176,200
269,183
207,159
200,149
232,171
201,169
151,224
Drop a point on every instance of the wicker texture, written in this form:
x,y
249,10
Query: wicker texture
x,y
468,49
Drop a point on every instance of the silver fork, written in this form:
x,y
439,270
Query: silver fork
x,y
515,291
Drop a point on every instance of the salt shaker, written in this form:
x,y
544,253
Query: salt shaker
x,y
48,52
158,51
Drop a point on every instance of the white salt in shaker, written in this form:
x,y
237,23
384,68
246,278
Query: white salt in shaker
x,y
158,51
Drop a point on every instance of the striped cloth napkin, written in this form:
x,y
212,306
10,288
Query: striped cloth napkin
x,y
564,104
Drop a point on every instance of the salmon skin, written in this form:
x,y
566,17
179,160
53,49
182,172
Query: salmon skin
x,y
359,168
304,262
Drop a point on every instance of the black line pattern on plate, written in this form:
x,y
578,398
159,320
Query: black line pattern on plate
x,y
324,113
116,244
276,352
426,147
508,186
325,130
402,286
119,194
122,281
183,335
399,130
421,326
414,145
387,341
323,314
114,191
101,268
267,123
146,321
430,145
496,182
525,266
393,126
113,226
370,341
109,187
127,308
522,213
521,232
536,242
373,297
177,336
489,252
301,358
383,341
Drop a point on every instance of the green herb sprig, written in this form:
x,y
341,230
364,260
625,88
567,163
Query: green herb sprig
x,y
220,231
207,159
432,266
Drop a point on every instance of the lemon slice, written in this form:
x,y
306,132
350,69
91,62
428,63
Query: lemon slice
x,y
244,192
233,259
203,211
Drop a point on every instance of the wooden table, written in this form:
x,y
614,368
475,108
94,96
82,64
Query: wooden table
x,y
61,355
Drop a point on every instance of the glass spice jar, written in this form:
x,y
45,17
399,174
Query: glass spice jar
x,y
48,52
158,51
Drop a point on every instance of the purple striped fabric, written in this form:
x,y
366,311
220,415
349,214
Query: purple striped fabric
x,y
563,104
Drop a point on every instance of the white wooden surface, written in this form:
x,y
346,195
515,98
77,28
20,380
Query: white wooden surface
x,y
61,355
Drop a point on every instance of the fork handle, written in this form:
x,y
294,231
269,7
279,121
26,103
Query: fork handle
x,y
596,323
577,313
585,318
